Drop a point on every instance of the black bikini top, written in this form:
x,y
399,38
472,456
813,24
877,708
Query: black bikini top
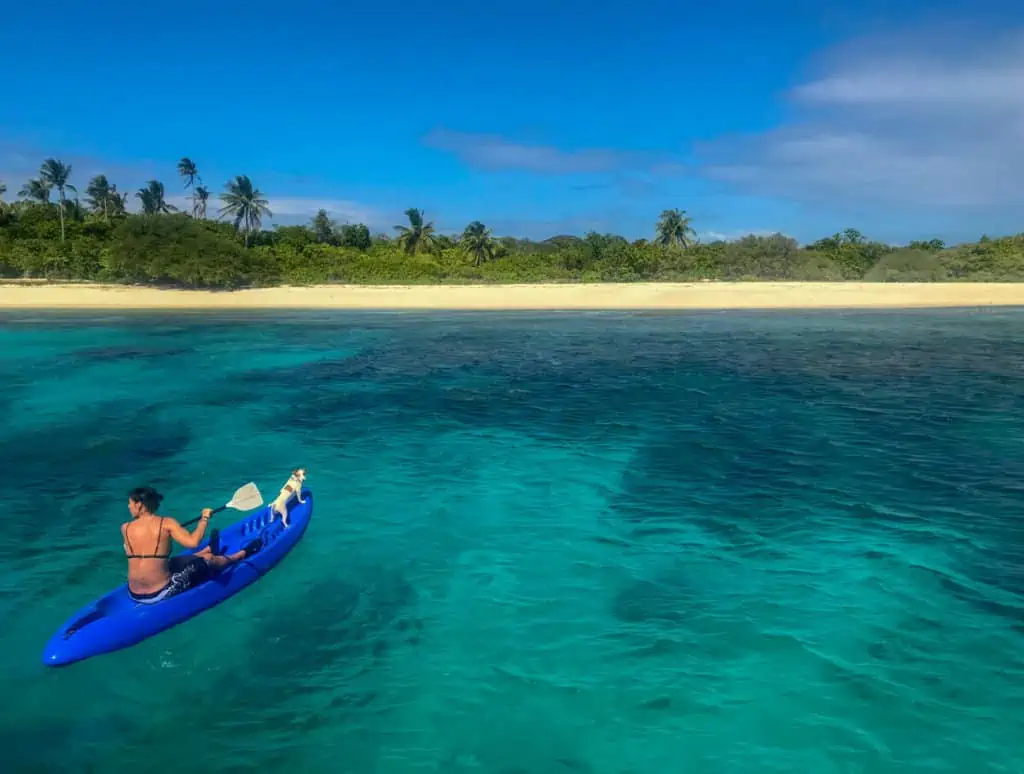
x,y
128,544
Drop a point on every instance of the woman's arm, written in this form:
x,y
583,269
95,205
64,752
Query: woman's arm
x,y
183,536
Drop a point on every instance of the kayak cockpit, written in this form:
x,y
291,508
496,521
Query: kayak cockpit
x,y
100,609
90,617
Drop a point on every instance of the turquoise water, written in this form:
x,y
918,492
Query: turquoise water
x,y
578,544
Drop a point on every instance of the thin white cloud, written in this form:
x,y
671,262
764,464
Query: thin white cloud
x,y
896,125
294,209
495,153
544,228
732,236
20,160
339,209
917,85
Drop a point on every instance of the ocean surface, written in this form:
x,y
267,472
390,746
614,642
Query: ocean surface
x,y
729,543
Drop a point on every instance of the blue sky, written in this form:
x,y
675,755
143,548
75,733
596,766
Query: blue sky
x,y
801,117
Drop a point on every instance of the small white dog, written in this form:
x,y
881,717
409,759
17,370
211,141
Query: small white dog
x,y
293,487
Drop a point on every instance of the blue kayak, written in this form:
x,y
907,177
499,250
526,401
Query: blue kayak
x,y
116,621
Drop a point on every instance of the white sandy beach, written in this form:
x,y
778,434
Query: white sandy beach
x,y
639,296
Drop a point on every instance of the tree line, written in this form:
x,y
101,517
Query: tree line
x,y
49,231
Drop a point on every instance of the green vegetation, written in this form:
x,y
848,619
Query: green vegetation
x,y
46,234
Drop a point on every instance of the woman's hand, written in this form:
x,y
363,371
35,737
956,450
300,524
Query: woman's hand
x,y
207,513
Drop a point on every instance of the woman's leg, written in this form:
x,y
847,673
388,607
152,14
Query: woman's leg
x,y
188,571
220,561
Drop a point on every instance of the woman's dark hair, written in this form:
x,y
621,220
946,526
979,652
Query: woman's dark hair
x,y
148,496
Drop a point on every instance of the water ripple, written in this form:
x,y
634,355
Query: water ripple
x,y
571,544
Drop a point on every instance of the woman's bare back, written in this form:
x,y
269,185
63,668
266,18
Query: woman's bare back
x,y
147,543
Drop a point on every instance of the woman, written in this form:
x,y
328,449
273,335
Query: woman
x,y
156,576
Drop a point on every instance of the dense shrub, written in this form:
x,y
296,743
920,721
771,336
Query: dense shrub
x,y
175,249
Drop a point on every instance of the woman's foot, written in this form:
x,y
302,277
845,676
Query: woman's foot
x,y
245,553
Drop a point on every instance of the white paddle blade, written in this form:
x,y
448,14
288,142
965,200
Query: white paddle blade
x,y
246,498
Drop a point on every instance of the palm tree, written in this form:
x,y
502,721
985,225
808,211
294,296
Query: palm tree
x,y
199,202
35,190
98,195
118,201
56,175
73,209
189,173
152,198
246,204
477,241
3,190
674,229
145,196
417,234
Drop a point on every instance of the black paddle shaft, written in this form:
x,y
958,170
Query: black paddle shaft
x,y
197,518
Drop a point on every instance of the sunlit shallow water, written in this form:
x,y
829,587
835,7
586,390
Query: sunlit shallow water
x,y
542,543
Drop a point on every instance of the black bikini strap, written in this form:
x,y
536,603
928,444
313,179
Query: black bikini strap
x,y
126,540
160,531
159,534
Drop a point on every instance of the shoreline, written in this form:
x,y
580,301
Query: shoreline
x,y
535,297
